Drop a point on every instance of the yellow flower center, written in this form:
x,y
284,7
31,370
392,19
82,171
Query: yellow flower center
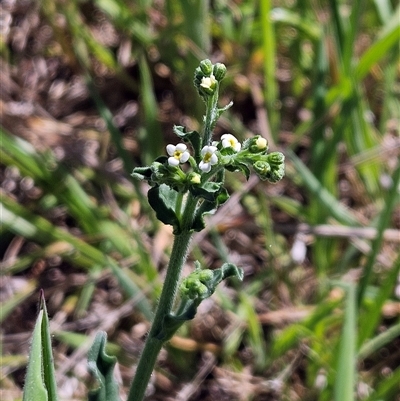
x,y
207,157
178,154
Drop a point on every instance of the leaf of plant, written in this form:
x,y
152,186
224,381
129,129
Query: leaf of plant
x,y
163,200
239,167
189,136
40,383
208,207
142,173
209,190
101,365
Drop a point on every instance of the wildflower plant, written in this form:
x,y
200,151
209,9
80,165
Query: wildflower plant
x,y
187,184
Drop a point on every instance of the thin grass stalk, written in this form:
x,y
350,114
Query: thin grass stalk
x,y
346,368
379,341
269,65
351,35
151,139
196,29
383,223
326,199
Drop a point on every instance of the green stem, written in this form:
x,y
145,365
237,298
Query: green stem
x,y
210,117
153,345
178,206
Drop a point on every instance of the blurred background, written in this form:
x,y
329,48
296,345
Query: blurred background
x,y
92,88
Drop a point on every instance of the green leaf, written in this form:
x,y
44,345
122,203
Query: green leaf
x,y
40,383
101,365
239,167
205,208
190,136
142,173
208,191
163,200
222,109
209,207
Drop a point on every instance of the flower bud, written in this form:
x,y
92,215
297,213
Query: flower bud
x,y
192,288
261,143
276,159
256,144
262,169
208,84
276,174
194,178
205,275
206,67
219,71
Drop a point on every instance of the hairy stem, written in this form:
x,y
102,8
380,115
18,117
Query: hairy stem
x,y
210,117
153,345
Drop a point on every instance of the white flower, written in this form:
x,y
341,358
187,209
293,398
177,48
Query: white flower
x,y
209,158
261,143
178,153
208,82
229,141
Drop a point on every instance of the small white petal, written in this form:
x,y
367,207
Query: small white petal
x,y
261,143
213,159
205,167
171,149
185,157
173,161
208,82
229,141
181,147
208,149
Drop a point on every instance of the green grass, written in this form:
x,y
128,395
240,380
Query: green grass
x,y
328,77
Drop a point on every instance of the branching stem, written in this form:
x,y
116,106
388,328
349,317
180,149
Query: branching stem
x,y
153,344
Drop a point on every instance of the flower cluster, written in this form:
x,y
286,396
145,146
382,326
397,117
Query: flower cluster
x,y
209,153
203,175
230,153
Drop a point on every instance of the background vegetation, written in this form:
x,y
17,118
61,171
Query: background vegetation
x,y
90,89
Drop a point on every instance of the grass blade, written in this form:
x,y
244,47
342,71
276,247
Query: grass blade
x,y
379,49
379,341
326,199
271,90
345,372
8,306
383,223
20,221
151,139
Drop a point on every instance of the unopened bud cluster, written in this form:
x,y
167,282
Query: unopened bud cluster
x,y
196,284
207,77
